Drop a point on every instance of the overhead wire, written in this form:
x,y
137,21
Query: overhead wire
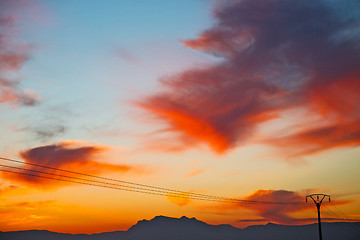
x,y
115,180
349,229
76,178
330,216
98,185
341,212
348,218
90,183
337,215
125,185
103,184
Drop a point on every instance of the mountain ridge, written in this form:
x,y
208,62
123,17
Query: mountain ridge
x,y
163,227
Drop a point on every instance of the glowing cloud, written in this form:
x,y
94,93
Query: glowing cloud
x,y
276,206
69,155
276,55
181,199
277,213
13,55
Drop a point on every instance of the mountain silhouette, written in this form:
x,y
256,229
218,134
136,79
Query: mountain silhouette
x,y
184,228
162,227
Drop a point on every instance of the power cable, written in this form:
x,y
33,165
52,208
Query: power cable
x,y
346,228
103,186
135,187
341,212
106,184
115,180
346,217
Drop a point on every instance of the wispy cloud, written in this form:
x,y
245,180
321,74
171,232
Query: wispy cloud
x,y
21,215
195,173
125,55
10,189
283,213
276,55
13,55
68,155
180,199
277,213
44,132
276,206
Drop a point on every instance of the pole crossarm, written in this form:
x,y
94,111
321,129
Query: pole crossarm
x,y
318,197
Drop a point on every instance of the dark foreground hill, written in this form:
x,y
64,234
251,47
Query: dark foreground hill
x,y
165,228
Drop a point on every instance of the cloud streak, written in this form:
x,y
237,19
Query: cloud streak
x,y
276,56
13,55
281,207
277,213
181,199
283,213
68,155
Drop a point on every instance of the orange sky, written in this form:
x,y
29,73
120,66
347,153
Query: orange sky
x,y
238,99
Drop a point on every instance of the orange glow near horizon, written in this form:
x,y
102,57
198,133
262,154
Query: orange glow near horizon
x,y
136,108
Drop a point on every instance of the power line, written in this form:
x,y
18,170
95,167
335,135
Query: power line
x,y
88,175
338,217
350,229
117,188
341,212
103,186
76,178
348,218
134,187
115,180
106,184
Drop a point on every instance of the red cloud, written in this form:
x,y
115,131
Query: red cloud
x,y
198,110
276,55
277,213
13,55
180,199
276,206
73,156
337,106
281,213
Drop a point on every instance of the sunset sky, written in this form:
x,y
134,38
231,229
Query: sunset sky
x,y
248,99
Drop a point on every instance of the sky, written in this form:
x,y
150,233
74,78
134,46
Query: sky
x,y
248,99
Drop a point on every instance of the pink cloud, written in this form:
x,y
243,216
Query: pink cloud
x,y
277,213
276,55
276,206
69,155
13,55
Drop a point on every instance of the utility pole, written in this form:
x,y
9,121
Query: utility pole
x,y
318,198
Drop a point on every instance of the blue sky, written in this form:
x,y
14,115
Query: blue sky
x,y
191,95
92,56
